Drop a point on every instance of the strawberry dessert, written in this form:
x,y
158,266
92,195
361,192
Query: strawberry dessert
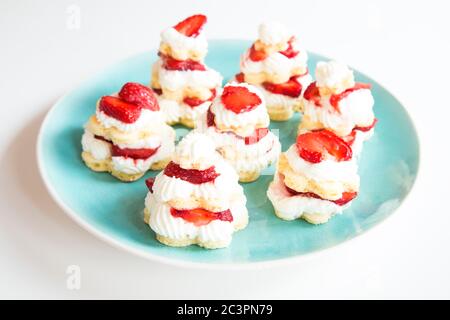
x,y
278,66
127,135
337,103
197,198
238,123
184,84
315,178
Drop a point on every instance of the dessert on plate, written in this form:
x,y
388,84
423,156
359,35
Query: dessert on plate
x,y
278,66
316,178
127,135
337,103
238,122
184,84
197,198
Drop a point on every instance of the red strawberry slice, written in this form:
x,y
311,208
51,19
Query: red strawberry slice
x,y
291,88
96,136
346,196
210,118
120,109
312,146
149,183
140,95
290,52
141,153
240,77
201,217
191,175
335,98
195,102
170,63
239,99
257,135
157,91
350,139
365,129
257,55
312,94
191,26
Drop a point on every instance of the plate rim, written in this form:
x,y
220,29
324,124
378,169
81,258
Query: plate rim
x,y
271,263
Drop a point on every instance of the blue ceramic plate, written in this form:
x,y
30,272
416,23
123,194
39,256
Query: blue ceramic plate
x,y
113,210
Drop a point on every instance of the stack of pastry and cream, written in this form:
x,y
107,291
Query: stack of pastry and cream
x,y
197,198
238,123
127,135
337,103
278,66
184,84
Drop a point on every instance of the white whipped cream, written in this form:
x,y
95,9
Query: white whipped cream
x,y
326,170
356,110
175,111
196,151
272,33
360,138
150,142
276,63
99,149
228,119
283,101
135,166
291,207
333,75
175,80
184,45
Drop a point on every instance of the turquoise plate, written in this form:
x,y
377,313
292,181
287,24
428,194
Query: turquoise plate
x,y
113,210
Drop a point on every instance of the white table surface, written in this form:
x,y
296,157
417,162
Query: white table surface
x,y
403,45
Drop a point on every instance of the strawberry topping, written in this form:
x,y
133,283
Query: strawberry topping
x,y
257,135
239,99
210,118
312,146
240,77
290,52
312,94
335,98
142,153
346,196
140,95
365,129
201,217
119,109
191,175
291,88
191,26
149,183
170,63
101,138
195,102
256,55
350,139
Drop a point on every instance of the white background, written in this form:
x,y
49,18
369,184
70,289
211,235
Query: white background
x,y
405,45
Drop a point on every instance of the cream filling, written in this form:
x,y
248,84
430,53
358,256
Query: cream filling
x,y
175,111
183,44
99,149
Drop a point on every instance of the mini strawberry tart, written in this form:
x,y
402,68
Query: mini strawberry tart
x,y
184,84
337,103
197,198
238,123
278,66
127,135
315,179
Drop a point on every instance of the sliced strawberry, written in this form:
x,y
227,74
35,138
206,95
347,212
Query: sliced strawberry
x,y
141,153
191,26
335,98
101,138
346,196
195,102
140,95
312,146
290,52
210,118
239,99
191,175
240,77
149,183
170,63
312,94
350,139
365,129
257,135
157,91
201,217
257,55
119,109
291,88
